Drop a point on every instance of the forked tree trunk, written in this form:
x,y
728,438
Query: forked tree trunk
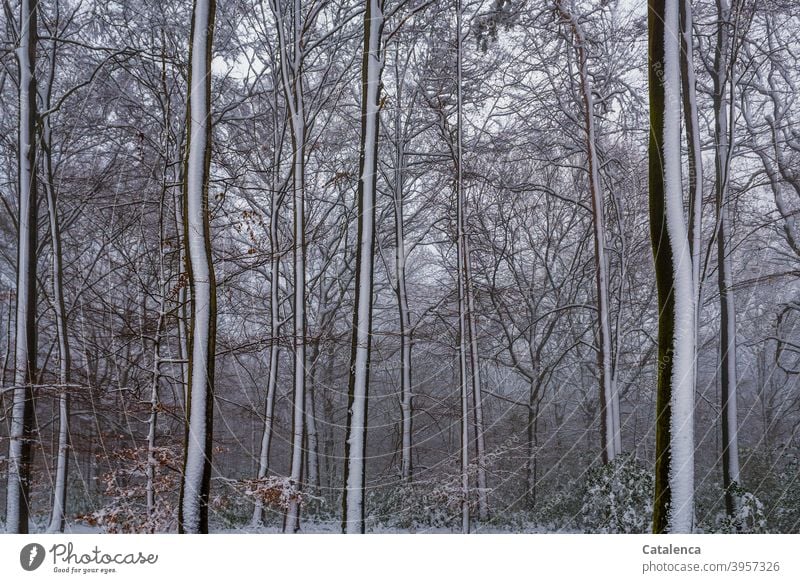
x,y
292,80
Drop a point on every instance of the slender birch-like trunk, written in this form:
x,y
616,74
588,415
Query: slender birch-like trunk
x,y
461,251
57,514
22,431
196,481
152,421
692,125
274,320
673,509
358,388
609,395
64,360
477,400
406,403
292,80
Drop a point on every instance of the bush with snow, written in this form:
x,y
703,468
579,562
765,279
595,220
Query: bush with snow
x,y
618,498
749,517
785,503
429,504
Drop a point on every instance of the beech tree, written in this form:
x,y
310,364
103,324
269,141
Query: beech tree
x,y
196,480
22,431
674,485
358,387
609,396
407,258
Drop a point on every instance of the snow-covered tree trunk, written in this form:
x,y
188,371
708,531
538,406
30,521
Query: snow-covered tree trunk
x,y
22,430
674,484
274,323
723,130
609,395
57,513
356,436
461,260
195,484
406,402
292,80
692,125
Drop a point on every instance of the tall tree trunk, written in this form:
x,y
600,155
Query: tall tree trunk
x,y
532,427
463,324
152,422
195,485
692,124
477,400
274,319
312,436
673,508
722,158
22,431
609,396
358,387
57,514
292,79
406,396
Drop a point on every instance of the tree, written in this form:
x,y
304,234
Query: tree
x,y
274,307
291,59
609,395
57,515
22,430
673,509
358,385
724,97
196,482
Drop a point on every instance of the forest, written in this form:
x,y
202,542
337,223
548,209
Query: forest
x,y
400,266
